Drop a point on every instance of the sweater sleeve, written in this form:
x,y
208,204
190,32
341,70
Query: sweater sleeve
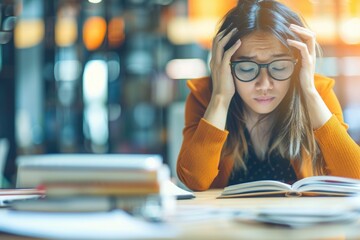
x,y
341,153
199,158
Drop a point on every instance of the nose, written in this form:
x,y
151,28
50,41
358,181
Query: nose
x,y
264,82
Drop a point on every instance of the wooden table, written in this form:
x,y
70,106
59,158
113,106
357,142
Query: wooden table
x,y
206,217
208,227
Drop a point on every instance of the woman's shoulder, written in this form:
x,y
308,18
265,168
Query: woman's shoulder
x,y
200,84
323,83
200,88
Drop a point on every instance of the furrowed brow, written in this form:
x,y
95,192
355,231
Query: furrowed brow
x,y
280,55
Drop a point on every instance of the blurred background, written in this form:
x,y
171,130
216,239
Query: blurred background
x,y
92,76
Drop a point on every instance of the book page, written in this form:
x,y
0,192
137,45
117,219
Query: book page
x,y
331,184
256,186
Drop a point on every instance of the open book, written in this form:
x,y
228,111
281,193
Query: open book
x,y
310,186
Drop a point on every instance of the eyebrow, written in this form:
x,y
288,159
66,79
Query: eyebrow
x,y
273,56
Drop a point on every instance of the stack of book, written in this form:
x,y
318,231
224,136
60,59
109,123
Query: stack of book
x,y
96,182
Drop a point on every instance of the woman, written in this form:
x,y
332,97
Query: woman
x,y
266,115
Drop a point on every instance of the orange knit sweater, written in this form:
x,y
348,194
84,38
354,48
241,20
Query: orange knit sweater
x,y
201,167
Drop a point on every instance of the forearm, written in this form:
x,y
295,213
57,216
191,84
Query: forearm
x,y
199,158
340,151
217,110
318,111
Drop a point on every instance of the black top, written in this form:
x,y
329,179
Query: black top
x,y
273,168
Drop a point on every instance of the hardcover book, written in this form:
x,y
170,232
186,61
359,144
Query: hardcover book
x,y
37,169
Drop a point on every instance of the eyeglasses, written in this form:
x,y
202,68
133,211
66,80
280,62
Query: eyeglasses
x,y
246,71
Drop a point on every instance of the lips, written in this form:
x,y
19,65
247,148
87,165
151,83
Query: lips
x,y
264,99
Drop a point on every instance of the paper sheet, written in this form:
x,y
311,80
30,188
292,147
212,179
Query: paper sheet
x,y
172,189
106,225
5,200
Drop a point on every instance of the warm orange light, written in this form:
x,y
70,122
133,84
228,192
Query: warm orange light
x,y
116,33
183,31
325,29
304,8
94,32
319,16
203,9
28,33
347,32
65,31
204,15
354,7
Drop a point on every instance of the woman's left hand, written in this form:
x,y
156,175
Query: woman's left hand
x,y
318,111
307,50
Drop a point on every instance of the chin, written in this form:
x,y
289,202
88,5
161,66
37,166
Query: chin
x,y
263,111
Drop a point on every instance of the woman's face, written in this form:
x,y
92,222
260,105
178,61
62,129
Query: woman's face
x,y
263,94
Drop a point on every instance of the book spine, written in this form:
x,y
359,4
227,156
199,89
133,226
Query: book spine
x,y
30,178
99,189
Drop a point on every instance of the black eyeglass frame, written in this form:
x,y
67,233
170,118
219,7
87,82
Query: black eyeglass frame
x,y
261,65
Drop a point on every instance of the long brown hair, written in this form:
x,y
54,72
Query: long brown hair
x,y
291,134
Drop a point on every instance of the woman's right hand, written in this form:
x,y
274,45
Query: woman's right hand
x,y
222,79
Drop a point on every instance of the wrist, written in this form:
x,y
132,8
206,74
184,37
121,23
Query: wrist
x,y
216,112
318,111
312,97
220,100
